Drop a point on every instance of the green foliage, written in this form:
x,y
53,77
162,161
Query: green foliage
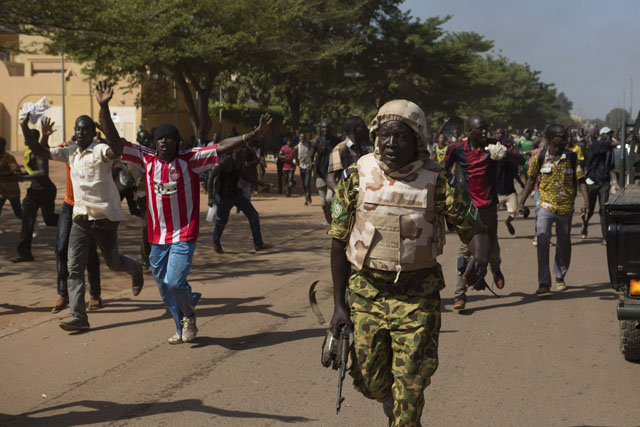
x,y
615,117
516,96
312,60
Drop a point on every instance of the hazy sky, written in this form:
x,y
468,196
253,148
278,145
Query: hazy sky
x,y
589,48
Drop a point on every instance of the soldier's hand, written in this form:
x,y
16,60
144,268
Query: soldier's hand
x,y
340,317
475,272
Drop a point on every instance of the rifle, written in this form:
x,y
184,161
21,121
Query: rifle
x,y
335,353
462,267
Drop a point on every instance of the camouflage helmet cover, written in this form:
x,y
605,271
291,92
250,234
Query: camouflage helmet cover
x,y
407,112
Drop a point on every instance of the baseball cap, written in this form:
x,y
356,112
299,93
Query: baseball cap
x,y
605,130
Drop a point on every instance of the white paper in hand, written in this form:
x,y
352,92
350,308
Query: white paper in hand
x,y
211,214
497,151
37,110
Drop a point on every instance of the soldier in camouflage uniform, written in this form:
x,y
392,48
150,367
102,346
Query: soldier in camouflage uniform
x,y
388,214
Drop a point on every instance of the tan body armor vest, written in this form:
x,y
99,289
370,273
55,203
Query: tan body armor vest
x,y
396,227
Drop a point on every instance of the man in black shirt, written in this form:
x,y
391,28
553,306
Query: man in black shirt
x,y
506,173
600,163
232,168
321,149
41,195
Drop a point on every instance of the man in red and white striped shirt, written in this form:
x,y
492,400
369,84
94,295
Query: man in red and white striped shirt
x,y
173,208
173,192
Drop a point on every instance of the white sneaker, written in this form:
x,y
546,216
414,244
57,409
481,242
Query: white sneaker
x,y
561,286
189,329
176,339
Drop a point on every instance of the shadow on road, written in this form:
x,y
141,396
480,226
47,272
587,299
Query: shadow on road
x,y
204,310
602,291
16,309
259,340
98,412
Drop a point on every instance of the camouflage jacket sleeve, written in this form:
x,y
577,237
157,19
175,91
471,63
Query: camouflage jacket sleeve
x,y
454,203
344,203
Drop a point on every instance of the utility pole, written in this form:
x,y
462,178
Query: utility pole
x,y
631,99
64,127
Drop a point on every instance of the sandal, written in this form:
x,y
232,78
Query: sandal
x,y
94,304
61,304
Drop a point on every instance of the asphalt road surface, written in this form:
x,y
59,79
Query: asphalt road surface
x,y
515,360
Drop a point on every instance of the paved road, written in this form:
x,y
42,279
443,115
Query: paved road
x,y
516,360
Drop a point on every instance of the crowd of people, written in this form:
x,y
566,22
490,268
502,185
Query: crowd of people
x,y
388,190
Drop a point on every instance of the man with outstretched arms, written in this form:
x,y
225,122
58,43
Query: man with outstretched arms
x,y
388,213
173,207
96,211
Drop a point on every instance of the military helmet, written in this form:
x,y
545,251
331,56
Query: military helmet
x,y
406,112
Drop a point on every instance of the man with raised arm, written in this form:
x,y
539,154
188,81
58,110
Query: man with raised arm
x,y
96,211
478,157
41,195
173,206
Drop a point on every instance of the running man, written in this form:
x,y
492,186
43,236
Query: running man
x,y
173,206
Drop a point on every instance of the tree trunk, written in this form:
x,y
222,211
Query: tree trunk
x,y
293,99
198,111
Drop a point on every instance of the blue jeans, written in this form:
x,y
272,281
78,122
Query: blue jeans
x,y
222,216
305,177
536,201
563,247
170,265
15,204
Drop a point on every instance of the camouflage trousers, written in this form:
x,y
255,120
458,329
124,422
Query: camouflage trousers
x,y
395,349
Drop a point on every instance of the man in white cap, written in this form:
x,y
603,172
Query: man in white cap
x,y
388,217
601,161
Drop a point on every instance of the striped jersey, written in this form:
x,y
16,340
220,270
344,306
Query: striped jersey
x,y
173,193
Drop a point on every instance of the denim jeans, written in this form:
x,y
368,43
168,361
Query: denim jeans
x,y
289,175
536,201
34,200
145,246
62,249
170,265
222,216
15,204
601,193
305,177
563,246
84,233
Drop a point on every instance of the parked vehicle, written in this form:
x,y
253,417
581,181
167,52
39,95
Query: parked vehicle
x,y
623,245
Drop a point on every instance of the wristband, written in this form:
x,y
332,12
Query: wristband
x,y
244,138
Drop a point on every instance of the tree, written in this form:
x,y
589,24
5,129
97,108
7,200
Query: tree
x,y
517,96
563,103
615,117
193,42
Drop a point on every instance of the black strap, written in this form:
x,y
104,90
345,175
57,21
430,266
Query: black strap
x,y
573,158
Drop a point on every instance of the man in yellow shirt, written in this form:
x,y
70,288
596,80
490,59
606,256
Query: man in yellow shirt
x,y
560,176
